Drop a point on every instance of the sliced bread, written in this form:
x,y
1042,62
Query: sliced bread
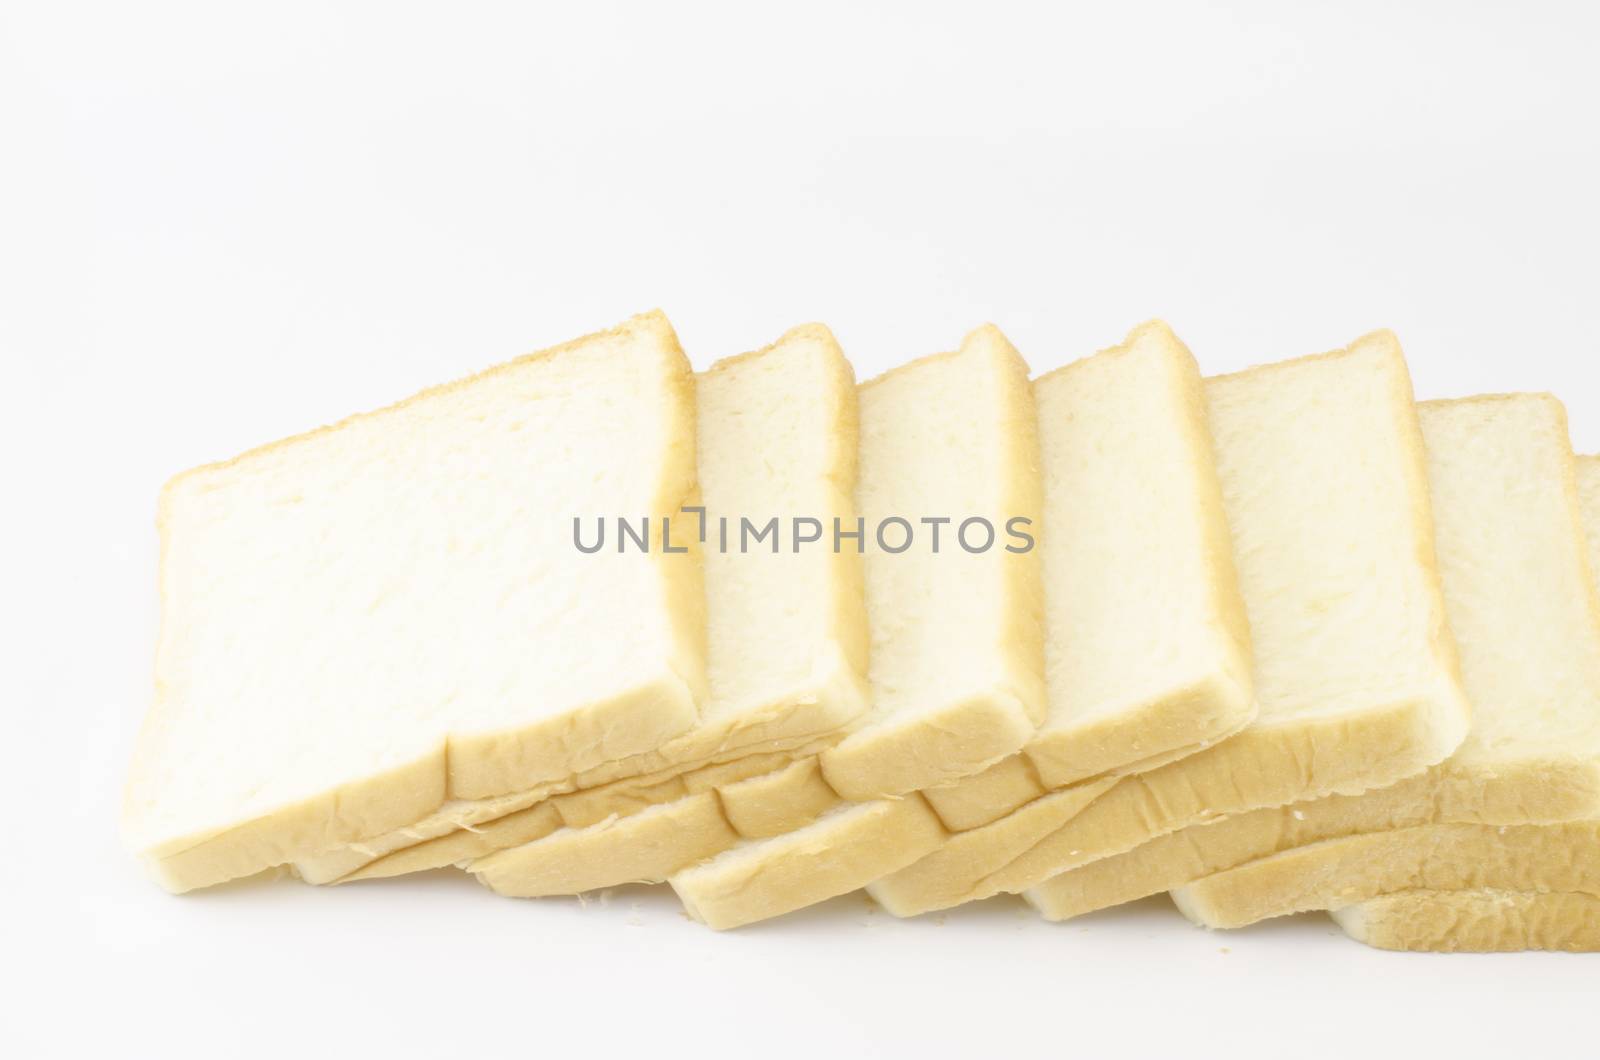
x,y
956,667
1320,461
1494,786
1146,643
936,724
785,626
1478,921
1147,649
1525,607
364,621
953,608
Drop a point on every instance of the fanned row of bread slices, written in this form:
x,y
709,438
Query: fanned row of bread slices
x,y
1276,641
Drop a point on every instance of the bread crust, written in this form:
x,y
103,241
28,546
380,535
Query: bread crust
x,y
646,843
645,847
838,854
1436,857
1483,921
1250,769
1514,795
779,802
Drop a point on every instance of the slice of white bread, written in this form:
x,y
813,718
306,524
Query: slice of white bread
x,y
786,624
361,622
1479,921
1513,577
785,629
1435,857
847,845
1146,644
956,658
1321,466
1147,648
1524,605
956,666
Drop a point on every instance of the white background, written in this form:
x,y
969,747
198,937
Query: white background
x,y
221,225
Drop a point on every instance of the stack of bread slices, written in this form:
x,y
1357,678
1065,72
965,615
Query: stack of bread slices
x,y
1276,641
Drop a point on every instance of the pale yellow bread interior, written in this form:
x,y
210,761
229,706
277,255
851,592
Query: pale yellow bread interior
x,y
956,645
400,587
